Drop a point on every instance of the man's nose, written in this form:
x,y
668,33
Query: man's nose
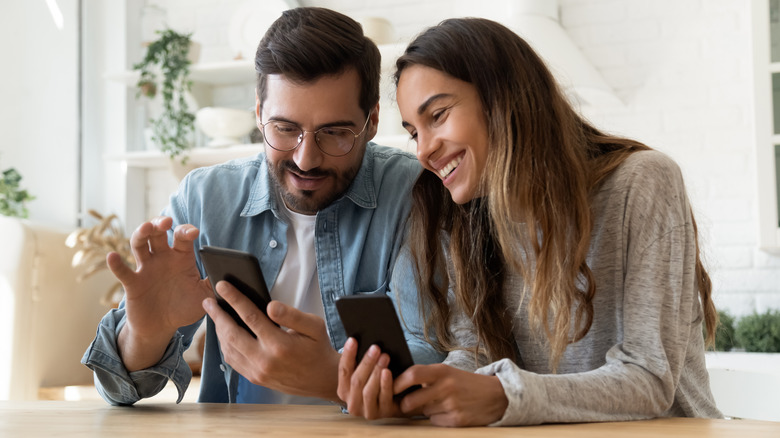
x,y
307,155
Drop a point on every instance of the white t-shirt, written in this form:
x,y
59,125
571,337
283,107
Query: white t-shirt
x,y
297,284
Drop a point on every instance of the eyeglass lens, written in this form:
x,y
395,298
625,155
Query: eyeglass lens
x,y
285,136
334,141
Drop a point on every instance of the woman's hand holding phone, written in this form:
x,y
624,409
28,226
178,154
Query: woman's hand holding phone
x,y
367,387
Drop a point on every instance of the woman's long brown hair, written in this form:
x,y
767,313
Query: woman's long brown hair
x,y
545,162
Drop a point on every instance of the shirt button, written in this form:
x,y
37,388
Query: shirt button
x,y
272,244
222,367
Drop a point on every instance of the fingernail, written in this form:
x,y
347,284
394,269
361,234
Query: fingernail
x,y
207,304
373,351
350,343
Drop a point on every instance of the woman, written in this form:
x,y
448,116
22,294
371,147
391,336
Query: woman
x,y
557,265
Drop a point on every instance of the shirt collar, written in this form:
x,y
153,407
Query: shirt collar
x,y
263,196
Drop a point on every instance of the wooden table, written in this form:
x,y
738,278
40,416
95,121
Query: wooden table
x,y
96,418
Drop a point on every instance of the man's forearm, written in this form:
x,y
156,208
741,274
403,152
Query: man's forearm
x,y
139,352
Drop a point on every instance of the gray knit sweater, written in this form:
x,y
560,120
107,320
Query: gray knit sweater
x,y
644,355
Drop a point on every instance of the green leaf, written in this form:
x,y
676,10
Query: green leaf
x,y
168,56
13,199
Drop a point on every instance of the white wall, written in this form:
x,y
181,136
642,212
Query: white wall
x,y
682,67
39,109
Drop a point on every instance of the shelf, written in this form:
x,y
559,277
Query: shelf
x,y
206,156
243,71
224,73
218,73
197,157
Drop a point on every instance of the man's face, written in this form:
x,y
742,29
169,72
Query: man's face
x,y
308,179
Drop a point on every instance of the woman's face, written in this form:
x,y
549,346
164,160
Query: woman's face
x,y
444,116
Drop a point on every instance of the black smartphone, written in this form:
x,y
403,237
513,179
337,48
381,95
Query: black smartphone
x,y
371,319
242,270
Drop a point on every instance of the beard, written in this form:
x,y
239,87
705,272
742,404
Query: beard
x,y
310,201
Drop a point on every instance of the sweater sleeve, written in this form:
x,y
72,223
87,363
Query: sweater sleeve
x,y
661,319
639,378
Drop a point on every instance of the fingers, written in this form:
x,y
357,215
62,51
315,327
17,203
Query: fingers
x,y
150,237
346,368
415,375
424,375
230,334
118,267
246,309
183,236
304,323
386,404
158,238
371,391
360,377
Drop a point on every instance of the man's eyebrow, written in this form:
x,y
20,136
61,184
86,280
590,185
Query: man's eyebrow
x,y
429,101
336,123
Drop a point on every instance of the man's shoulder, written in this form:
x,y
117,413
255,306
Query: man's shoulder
x,y
392,162
229,171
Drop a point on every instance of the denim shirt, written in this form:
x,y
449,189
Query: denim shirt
x,y
358,245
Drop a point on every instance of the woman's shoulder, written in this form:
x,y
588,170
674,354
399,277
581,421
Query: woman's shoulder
x,y
648,184
648,171
649,163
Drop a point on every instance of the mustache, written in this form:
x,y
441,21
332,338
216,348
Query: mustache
x,y
313,173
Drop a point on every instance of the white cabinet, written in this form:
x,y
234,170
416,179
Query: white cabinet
x,y
766,45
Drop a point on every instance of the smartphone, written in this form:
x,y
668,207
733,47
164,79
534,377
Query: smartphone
x,y
371,319
242,270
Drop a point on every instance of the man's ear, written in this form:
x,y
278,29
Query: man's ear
x,y
373,123
257,106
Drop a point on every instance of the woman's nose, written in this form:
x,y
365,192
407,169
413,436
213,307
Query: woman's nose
x,y
425,148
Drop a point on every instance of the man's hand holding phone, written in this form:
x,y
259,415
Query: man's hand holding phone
x,y
297,359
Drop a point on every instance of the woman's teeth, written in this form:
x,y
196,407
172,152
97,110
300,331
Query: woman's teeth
x,y
446,170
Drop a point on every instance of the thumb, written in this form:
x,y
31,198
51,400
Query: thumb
x,y
118,267
306,324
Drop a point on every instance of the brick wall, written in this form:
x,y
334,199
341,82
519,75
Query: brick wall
x,y
682,68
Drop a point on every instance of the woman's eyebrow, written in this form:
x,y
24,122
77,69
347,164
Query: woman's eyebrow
x,y
429,101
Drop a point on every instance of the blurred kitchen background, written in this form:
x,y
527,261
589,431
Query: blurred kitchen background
x,y
696,79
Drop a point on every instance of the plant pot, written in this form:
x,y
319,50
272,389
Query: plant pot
x,y
746,385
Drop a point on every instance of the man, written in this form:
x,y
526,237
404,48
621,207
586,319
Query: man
x,y
323,210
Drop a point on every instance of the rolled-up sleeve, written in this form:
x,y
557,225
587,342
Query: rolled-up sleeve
x,y
112,380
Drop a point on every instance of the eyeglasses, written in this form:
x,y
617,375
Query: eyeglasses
x,y
332,140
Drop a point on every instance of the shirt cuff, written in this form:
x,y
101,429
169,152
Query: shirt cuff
x,y
509,374
120,387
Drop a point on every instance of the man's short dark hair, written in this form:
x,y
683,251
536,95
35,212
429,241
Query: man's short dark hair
x,y
307,43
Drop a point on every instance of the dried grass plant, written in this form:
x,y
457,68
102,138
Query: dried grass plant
x,y
94,244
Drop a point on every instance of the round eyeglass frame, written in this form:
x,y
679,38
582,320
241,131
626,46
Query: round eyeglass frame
x,y
303,133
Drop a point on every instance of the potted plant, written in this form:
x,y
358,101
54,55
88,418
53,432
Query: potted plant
x,y
744,370
168,56
93,244
13,199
